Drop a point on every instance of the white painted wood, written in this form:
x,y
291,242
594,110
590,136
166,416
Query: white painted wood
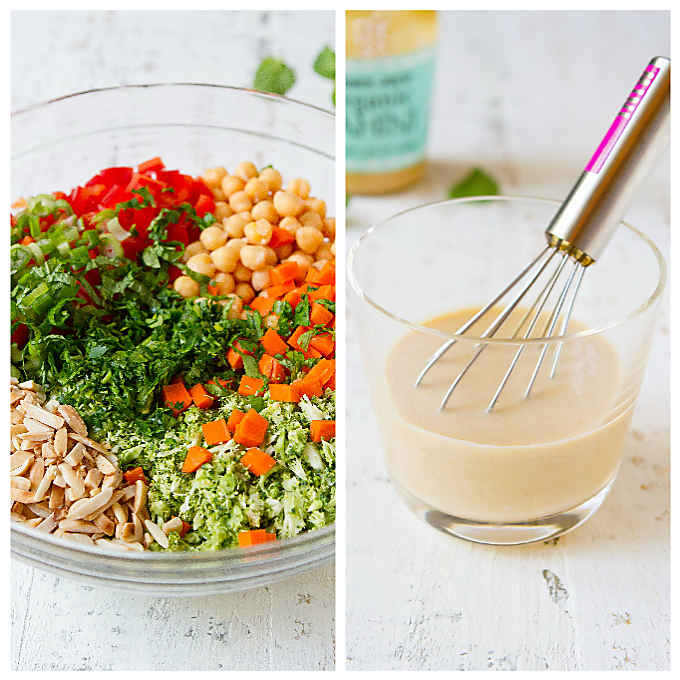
x,y
58,624
527,96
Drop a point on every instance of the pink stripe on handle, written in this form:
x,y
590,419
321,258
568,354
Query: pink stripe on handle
x,y
624,115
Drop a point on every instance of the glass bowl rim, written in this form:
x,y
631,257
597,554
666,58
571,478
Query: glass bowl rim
x,y
352,277
208,556
142,86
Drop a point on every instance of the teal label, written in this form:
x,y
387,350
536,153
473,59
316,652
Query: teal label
x,y
388,103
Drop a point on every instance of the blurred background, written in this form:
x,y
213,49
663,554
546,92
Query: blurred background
x,y
526,97
62,625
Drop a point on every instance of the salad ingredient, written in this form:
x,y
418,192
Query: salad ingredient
x,y
284,393
234,419
273,75
201,397
250,386
251,429
254,537
322,429
134,475
216,432
176,397
196,456
257,462
475,183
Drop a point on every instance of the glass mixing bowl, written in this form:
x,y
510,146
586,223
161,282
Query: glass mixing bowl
x,y
490,478
61,143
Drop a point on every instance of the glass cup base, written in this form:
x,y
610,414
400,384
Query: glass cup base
x,y
511,533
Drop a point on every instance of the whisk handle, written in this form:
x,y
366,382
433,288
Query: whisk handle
x,y
594,207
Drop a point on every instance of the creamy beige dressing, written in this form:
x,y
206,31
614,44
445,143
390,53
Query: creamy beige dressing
x,y
527,458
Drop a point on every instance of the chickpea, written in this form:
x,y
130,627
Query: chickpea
x,y
308,239
311,219
186,286
222,211
235,305
253,257
290,224
302,260
324,252
218,194
224,283
234,225
300,187
192,249
242,274
256,189
288,204
246,170
317,205
213,176
265,210
283,251
259,232
271,321
231,184
329,228
225,259
240,201
245,292
235,245
202,264
270,256
213,237
271,178
260,279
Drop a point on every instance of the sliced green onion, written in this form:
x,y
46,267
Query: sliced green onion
x,y
114,228
36,251
63,248
110,246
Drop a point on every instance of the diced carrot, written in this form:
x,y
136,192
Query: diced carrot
x,y
286,271
283,393
322,429
216,432
257,461
262,304
226,384
293,298
176,397
312,387
271,369
280,237
134,475
273,343
234,356
293,339
323,371
254,537
26,240
280,290
324,343
250,386
251,430
186,527
153,164
319,315
202,398
331,383
196,456
319,277
235,418
323,293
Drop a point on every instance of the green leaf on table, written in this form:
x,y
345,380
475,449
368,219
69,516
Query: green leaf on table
x,y
273,75
324,64
476,183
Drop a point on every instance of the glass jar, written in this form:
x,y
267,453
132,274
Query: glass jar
x,y
390,68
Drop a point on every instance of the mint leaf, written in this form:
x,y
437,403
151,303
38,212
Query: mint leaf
x,y
476,183
274,76
324,64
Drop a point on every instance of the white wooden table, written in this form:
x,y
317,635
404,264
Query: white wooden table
x,y
58,624
508,90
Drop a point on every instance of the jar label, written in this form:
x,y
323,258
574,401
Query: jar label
x,y
388,102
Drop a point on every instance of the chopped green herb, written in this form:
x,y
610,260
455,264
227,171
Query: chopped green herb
x,y
476,183
274,76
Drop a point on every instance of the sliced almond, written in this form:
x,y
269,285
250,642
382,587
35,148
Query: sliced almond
x,y
78,526
93,478
79,538
157,533
174,524
88,506
88,442
141,493
21,495
45,483
20,483
75,455
48,524
105,524
73,480
34,426
61,441
120,513
56,497
36,473
72,418
105,465
44,416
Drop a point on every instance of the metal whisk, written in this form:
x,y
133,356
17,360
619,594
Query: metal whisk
x,y
581,228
